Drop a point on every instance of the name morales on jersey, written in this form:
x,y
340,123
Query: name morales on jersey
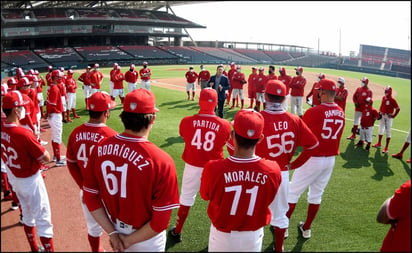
x,y
122,152
332,113
240,175
207,124
89,136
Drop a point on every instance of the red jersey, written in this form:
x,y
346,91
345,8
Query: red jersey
x,y
54,99
388,105
130,175
205,136
33,96
360,96
285,79
230,75
343,93
191,77
41,84
20,150
204,75
80,145
261,83
145,74
238,80
284,132
112,73
314,93
71,85
297,86
131,76
251,82
240,192
96,78
398,238
85,78
48,79
118,79
369,115
31,118
271,76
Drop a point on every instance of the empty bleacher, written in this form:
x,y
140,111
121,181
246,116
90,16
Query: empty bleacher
x,y
49,13
278,56
59,55
23,59
313,60
257,55
102,53
189,55
9,14
399,56
227,55
147,52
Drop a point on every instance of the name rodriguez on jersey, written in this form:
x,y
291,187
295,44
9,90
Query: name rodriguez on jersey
x,y
123,152
240,175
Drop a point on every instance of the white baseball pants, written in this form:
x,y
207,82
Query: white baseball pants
x,y
385,125
190,184
71,100
131,87
296,105
236,241
56,125
93,228
366,134
279,205
239,92
145,84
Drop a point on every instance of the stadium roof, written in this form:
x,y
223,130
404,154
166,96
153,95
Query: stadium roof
x,y
145,5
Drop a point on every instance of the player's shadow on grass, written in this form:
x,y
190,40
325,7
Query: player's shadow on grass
x,y
355,157
381,166
172,140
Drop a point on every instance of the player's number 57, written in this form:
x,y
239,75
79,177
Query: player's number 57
x,y
327,131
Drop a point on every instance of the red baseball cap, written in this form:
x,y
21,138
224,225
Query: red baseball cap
x,y
208,99
365,80
275,87
140,101
13,99
24,82
300,69
11,82
248,123
96,65
100,102
57,73
327,84
70,72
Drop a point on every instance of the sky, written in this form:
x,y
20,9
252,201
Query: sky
x,y
334,26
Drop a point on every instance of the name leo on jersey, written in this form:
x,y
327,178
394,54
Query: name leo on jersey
x,y
333,113
280,125
206,124
89,136
124,153
240,175
5,136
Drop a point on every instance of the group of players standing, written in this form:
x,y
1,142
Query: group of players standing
x,y
246,191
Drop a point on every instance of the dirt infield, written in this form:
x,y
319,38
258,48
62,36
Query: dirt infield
x,y
70,231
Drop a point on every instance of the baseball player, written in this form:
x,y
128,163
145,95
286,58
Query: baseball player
x,y
5,186
230,73
404,147
283,132
96,78
131,175
54,109
271,73
30,118
11,83
297,85
131,77
34,97
369,115
204,76
396,211
237,82
314,92
260,89
240,189
389,109
48,75
251,86
118,89
23,155
62,87
341,93
85,79
285,78
221,84
112,77
40,97
82,141
204,134
191,77
145,74
314,167
359,99
71,86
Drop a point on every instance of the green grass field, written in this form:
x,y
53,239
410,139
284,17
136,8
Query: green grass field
x,y
361,181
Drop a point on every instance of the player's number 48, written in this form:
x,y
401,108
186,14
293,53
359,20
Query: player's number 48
x,y
207,144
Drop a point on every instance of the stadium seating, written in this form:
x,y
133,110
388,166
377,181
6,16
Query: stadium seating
x,y
102,53
257,55
147,52
228,55
8,14
189,55
278,56
23,59
399,56
57,55
313,60
49,13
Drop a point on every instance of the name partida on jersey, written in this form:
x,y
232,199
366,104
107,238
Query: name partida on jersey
x,y
334,113
123,152
89,136
206,124
240,175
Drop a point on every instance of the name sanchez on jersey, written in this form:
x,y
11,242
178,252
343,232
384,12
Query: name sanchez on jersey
x,y
206,124
89,136
240,175
122,152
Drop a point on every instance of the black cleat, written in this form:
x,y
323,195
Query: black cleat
x,y
176,237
